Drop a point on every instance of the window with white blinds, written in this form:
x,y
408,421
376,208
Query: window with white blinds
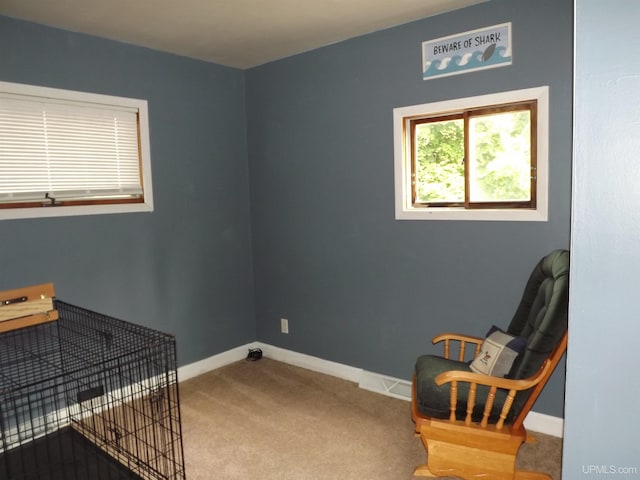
x,y
64,152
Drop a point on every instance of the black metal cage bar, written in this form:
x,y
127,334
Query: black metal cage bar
x,y
89,397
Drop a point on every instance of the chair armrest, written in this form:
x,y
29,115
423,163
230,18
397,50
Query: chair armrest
x,y
486,380
493,383
463,340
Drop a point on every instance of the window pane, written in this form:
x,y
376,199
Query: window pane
x,y
439,169
500,151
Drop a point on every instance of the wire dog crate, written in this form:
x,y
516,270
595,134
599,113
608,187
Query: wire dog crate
x,y
88,397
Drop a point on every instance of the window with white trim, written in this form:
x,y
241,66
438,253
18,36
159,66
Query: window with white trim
x,y
64,152
477,158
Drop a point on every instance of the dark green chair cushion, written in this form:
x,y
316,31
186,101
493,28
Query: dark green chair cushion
x,y
434,401
541,317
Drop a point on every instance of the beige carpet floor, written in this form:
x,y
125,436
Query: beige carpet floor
x,y
267,420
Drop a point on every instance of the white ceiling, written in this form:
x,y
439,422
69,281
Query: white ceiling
x,y
236,33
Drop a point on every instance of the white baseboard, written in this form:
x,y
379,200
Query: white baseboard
x,y
375,382
212,363
543,423
315,364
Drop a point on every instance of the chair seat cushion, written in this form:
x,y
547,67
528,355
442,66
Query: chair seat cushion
x,y
434,401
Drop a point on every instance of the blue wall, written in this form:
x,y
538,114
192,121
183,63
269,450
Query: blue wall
x,y
358,286
303,184
601,423
186,267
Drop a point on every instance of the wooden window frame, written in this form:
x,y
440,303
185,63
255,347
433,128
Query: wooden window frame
x,y
465,116
536,100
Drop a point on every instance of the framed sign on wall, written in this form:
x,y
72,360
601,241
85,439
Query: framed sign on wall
x,y
480,49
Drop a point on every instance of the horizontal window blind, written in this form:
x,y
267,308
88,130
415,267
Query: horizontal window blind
x,y
67,150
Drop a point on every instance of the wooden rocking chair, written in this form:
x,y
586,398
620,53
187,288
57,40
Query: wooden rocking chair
x,y
471,423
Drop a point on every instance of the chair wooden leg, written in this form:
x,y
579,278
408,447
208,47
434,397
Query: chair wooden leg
x,y
470,455
423,471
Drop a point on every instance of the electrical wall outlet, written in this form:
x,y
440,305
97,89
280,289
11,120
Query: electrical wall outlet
x,y
284,325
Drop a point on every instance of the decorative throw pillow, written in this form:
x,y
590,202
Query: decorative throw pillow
x,y
497,353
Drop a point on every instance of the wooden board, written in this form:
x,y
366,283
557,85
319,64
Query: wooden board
x,y
24,307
